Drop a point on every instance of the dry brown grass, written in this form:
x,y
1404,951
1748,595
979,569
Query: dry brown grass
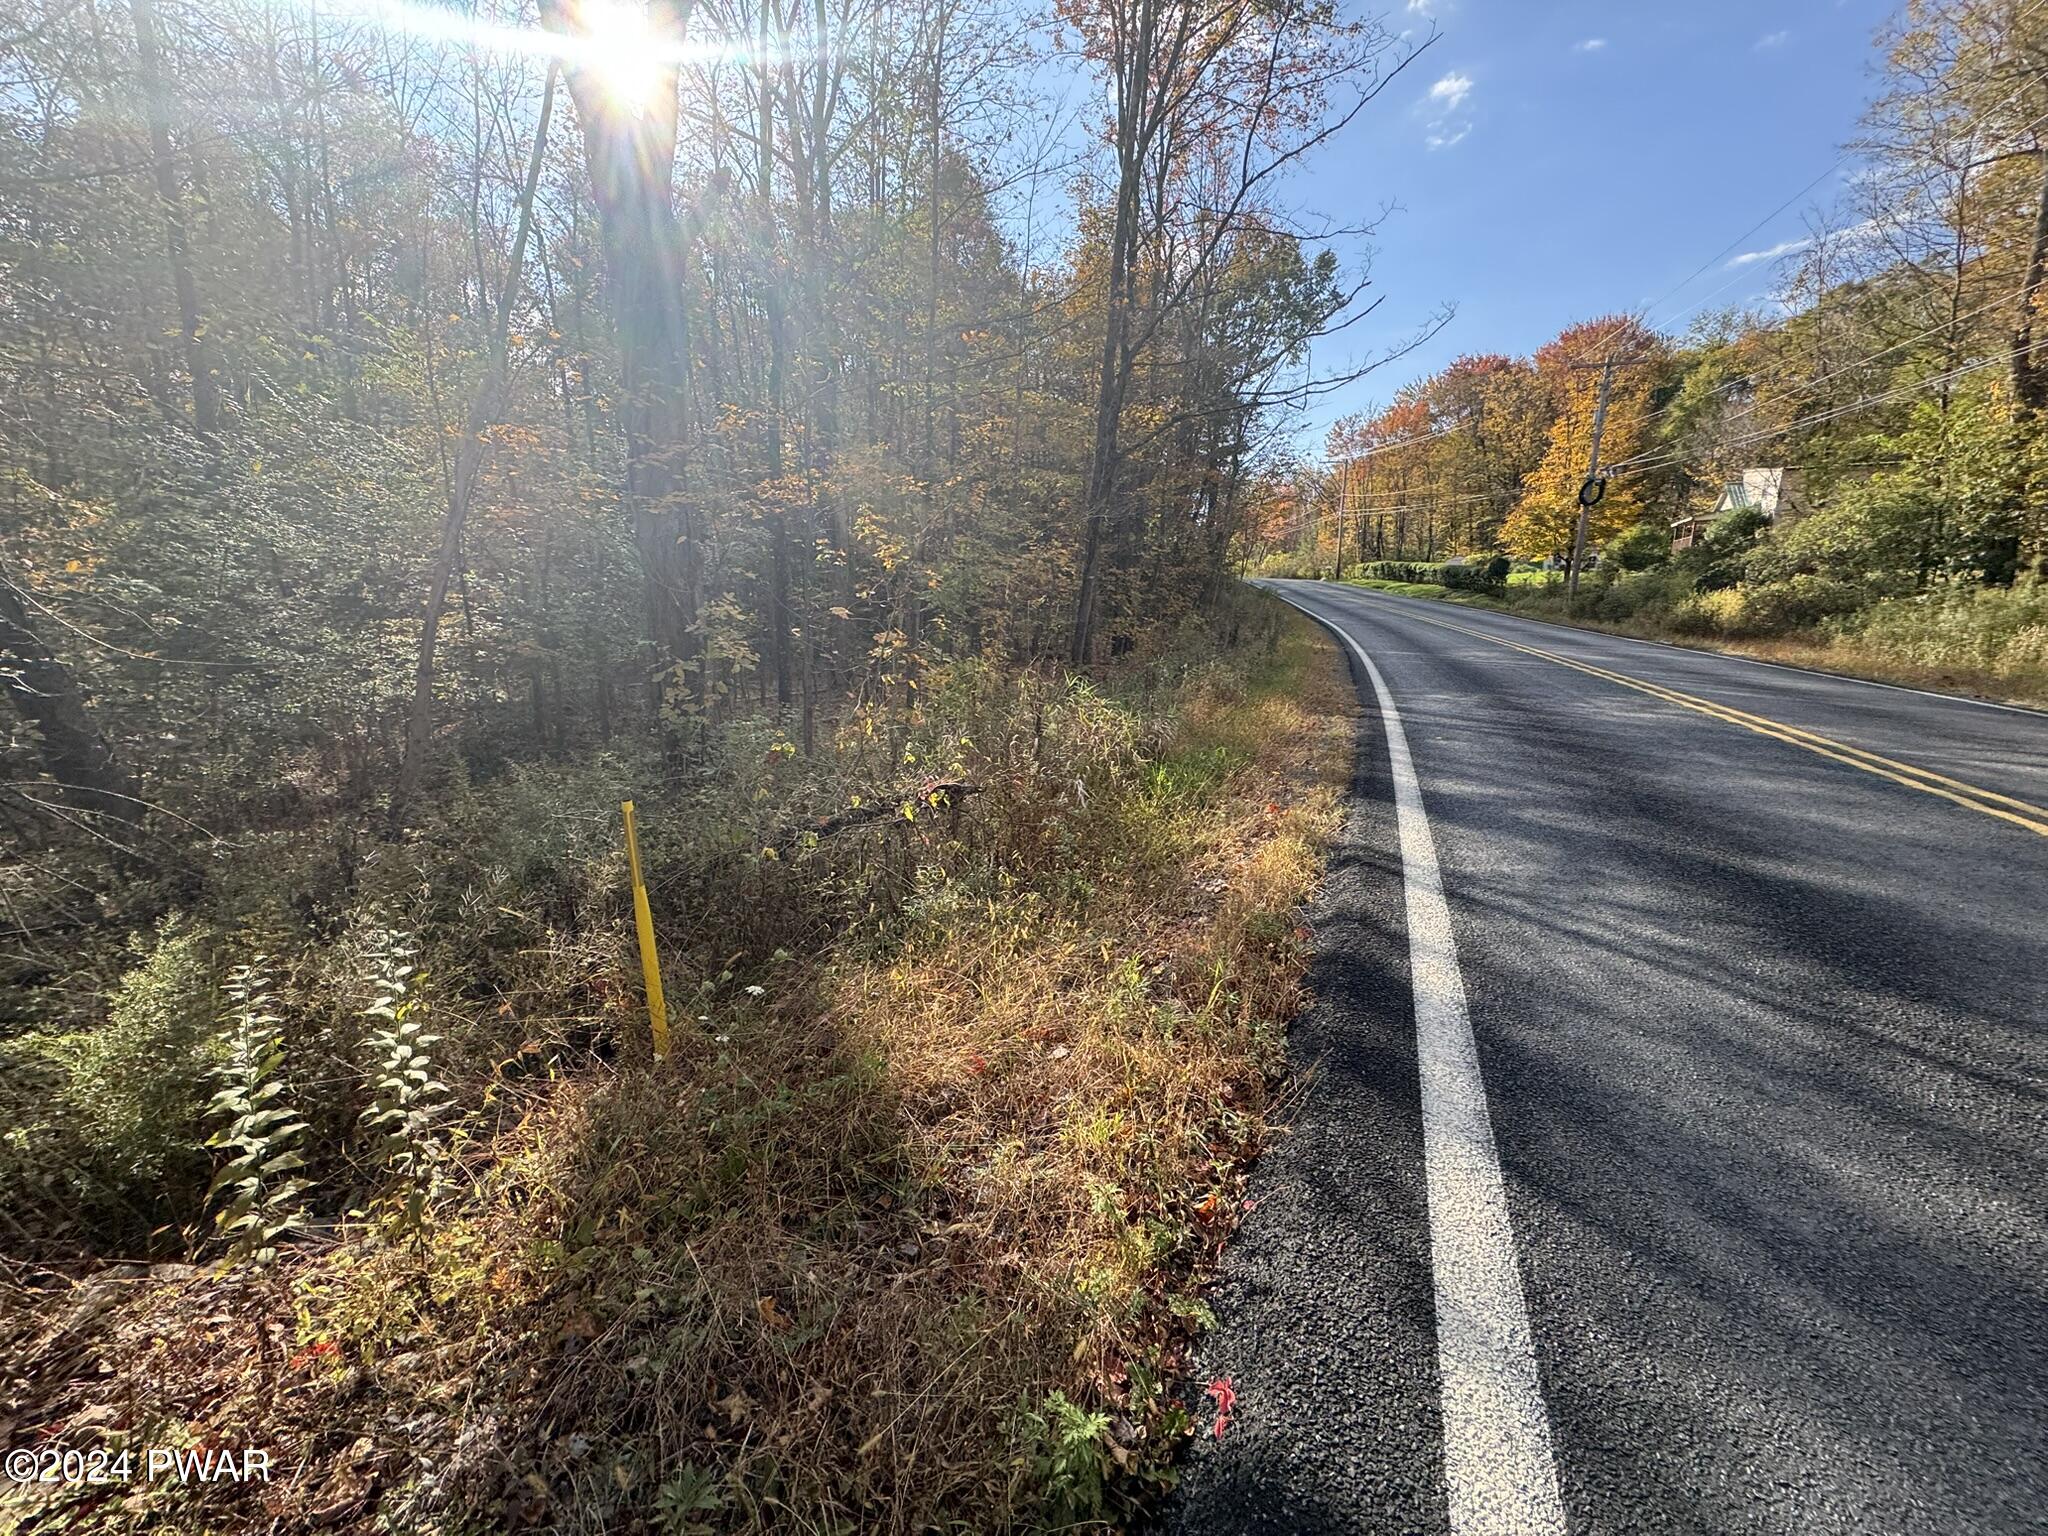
x,y
1962,671
910,1241
1851,659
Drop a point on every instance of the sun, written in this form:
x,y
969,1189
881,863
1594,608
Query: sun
x,y
623,50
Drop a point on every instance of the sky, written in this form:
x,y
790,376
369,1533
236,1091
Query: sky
x,y
1554,160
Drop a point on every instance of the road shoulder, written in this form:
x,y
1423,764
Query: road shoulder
x,y
1325,1318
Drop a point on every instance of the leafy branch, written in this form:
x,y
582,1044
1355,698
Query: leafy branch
x,y
257,1185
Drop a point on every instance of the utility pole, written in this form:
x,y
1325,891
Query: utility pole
x,y
1343,506
1591,489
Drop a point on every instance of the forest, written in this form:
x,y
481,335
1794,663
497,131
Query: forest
x,y
426,429
1901,373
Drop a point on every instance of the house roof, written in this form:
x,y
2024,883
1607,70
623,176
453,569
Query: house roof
x,y
1760,490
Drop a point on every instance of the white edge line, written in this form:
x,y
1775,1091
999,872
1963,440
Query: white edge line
x,y
1694,650
1499,1468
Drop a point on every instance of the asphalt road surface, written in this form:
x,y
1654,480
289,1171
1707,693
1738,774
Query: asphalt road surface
x,y
1675,1156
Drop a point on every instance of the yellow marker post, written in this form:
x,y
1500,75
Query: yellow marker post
x,y
650,964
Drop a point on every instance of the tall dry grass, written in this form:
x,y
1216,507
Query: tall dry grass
x,y
910,1233
1989,636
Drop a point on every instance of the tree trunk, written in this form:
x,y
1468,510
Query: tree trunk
x,y
2029,376
76,756
1134,83
484,411
156,105
779,607
632,158
1109,404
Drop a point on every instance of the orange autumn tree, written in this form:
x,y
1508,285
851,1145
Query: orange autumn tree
x,y
1496,414
1543,521
1384,472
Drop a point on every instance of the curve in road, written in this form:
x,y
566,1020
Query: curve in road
x,y
1755,968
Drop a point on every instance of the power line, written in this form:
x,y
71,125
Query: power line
x,y
1652,459
1849,367
1643,464
1929,331
1641,316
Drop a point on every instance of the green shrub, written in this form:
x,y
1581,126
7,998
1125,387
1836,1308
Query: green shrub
x,y
1643,547
1648,596
1758,612
1708,613
1285,563
257,1187
1069,1451
1411,571
1804,602
136,1085
1999,630
410,1104
1875,533
1489,576
1481,576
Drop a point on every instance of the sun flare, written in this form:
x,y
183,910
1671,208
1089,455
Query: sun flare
x,y
625,52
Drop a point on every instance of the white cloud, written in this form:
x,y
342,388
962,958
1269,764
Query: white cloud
x,y
1450,92
1782,248
1772,40
1445,105
1425,16
1589,45
1853,234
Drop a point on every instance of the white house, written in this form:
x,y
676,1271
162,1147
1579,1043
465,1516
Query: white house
x,y
1777,493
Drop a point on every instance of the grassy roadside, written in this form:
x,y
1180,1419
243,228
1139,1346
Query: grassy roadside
x,y
1845,654
908,1236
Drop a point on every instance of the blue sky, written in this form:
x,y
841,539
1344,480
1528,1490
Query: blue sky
x,y
1557,159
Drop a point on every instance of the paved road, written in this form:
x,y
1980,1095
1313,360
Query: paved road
x,y
1759,1011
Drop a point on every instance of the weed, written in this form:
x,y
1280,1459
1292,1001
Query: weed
x,y
960,1136
410,1104
1068,1447
257,1186
683,1501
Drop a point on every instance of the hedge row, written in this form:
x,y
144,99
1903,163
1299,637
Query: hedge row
x,y
1491,576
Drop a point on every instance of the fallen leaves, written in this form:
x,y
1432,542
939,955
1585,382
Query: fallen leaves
x,y
320,1351
1224,1391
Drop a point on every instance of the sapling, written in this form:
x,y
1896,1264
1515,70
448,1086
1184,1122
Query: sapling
x,y
410,1104
257,1187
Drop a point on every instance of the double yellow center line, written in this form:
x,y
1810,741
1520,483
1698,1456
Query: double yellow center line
x,y
2020,813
